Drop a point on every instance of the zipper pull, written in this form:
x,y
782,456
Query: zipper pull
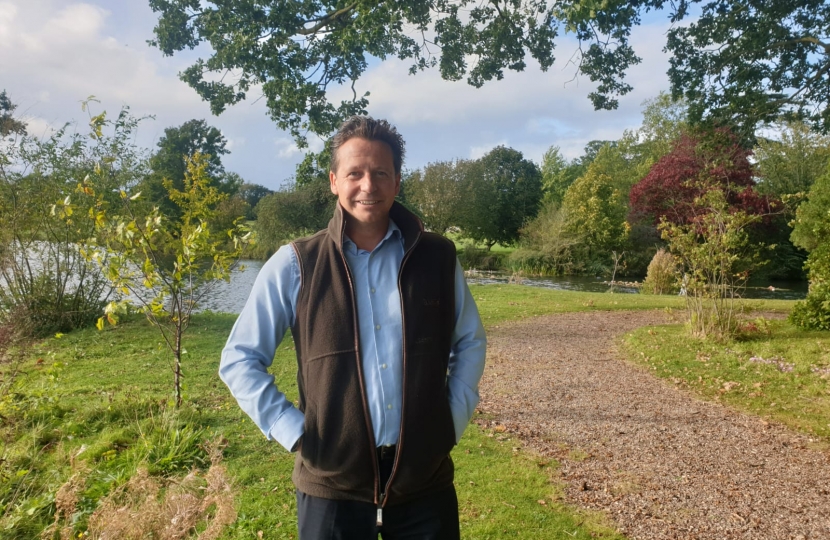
x,y
380,510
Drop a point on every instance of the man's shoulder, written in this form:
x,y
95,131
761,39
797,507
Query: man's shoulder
x,y
315,238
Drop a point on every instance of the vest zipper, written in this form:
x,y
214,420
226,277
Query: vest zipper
x,y
403,381
367,417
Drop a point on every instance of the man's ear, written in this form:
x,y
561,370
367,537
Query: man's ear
x,y
397,184
333,182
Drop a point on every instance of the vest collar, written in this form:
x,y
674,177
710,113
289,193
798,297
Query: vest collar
x,y
409,224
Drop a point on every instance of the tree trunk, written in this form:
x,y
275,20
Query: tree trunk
x,y
178,370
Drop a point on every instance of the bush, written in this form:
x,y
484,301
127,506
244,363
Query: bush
x,y
811,232
472,257
662,274
44,307
813,313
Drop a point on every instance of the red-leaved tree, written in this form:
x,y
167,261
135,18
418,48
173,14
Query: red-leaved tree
x,y
698,163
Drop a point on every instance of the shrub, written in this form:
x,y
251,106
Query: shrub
x,y
813,313
662,274
477,258
44,306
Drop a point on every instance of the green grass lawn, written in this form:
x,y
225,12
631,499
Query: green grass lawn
x,y
98,405
782,374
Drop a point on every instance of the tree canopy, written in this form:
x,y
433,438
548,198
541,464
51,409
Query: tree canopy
x,y
791,163
500,196
698,163
170,161
437,193
736,60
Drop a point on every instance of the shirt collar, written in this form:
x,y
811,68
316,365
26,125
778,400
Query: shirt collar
x,y
392,232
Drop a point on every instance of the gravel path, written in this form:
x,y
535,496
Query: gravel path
x,y
662,462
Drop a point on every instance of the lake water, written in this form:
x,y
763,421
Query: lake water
x,y
230,297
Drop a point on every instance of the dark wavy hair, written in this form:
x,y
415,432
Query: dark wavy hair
x,y
366,127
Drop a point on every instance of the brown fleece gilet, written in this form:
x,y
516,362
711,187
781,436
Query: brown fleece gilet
x,y
337,459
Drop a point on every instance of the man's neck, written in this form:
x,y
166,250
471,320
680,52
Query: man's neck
x,y
366,237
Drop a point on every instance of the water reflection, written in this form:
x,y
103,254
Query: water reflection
x,y
230,297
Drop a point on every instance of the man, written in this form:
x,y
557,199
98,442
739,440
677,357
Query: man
x,y
390,350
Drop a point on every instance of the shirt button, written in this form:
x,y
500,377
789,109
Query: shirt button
x,y
373,290
377,327
389,406
383,366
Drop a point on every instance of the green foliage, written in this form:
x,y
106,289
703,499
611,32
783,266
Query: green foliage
x,y
9,125
437,192
664,120
557,175
790,164
813,313
548,245
753,62
732,60
314,168
47,285
717,257
472,257
285,215
597,209
502,192
662,276
165,266
169,163
811,231
252,194
292,55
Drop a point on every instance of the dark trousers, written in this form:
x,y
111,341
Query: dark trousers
x,y
434,517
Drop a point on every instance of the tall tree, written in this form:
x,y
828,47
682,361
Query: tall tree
x,y
788,166
437,194
503,191
557,175
596,207
170,162
664,121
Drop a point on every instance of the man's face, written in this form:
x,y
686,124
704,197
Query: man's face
x,y
365,181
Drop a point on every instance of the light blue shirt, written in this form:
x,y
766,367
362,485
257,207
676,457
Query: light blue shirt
x,y
271,309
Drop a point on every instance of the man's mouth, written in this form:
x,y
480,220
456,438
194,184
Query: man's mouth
x,y
367,203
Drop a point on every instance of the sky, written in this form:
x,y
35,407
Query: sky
x,y
56,53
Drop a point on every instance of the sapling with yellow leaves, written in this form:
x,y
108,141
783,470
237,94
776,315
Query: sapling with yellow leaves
x,y
162,267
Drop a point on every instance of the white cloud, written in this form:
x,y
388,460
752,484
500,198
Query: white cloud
x,y
38,127
286,148
234,143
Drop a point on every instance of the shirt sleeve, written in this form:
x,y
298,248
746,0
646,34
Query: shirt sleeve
x,y
467,353
249,351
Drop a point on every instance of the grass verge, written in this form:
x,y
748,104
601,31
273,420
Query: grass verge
x,y
781,373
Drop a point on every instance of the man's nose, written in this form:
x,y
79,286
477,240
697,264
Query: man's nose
x,y
368,184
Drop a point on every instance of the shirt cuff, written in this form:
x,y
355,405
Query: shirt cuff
x,y
288,429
